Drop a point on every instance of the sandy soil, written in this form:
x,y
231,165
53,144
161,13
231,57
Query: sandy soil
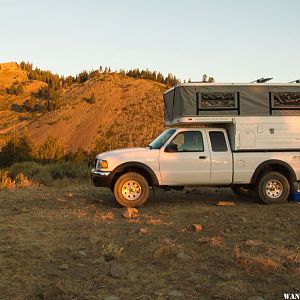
x,y
52,242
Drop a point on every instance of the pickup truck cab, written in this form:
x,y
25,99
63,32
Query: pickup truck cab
x,y
196,156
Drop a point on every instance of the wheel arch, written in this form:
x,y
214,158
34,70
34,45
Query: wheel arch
x,y
275,165
137,167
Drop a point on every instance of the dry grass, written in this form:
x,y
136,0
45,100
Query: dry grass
x,y
22,181
213,241
252,262
168,248
253,243
5,181
111,251
106,216
293,256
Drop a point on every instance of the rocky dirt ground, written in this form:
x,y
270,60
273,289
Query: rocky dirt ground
x,y
73,243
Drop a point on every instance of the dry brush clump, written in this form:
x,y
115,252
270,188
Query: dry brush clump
x,y
20,180
104,216
169,248
213,241
6,182
252,262
112,251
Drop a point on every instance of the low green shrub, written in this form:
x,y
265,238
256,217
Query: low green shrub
x,y
32,170
46,174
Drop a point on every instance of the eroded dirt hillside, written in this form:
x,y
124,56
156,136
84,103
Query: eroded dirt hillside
x,y
126,111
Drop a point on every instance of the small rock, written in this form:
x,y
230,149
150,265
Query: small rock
x,y
52,293
111,297
143,231
130,213
182,255
175,294
99,260
197,227
244,219
255,298
117,271
64,267
225,203
82,253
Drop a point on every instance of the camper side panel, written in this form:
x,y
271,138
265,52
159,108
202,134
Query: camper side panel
x,y
266,133
245,163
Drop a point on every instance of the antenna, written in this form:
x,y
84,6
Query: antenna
x,y
262,80
295,81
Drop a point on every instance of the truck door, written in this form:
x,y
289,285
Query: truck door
x,y
221,156
186,159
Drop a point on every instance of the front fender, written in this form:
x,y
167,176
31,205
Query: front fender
x,y
138,165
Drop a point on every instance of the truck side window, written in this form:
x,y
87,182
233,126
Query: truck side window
x,y
218,142
188,141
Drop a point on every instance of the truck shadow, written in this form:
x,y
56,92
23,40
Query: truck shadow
x,y
190,196
205,196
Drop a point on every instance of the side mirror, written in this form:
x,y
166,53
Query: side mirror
x,y
171,148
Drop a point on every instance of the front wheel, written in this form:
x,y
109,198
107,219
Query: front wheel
x,y
131,189
273,188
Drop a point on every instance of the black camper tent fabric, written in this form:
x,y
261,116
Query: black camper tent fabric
x,y
231,100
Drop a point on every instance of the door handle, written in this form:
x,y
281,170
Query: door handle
x,y
202,157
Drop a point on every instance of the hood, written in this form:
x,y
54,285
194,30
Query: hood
x,y
142,155
118,152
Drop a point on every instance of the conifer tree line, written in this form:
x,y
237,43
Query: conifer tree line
x,y
56,81
49,97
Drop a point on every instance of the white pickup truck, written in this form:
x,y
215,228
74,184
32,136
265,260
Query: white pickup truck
x,y
257,156
195,157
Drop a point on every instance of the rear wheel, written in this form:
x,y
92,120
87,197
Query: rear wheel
x,y
131,189
242,190
273,188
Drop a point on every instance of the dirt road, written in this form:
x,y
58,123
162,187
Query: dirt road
x,y
52,242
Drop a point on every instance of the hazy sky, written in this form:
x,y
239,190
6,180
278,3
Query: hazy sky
x,y
232,40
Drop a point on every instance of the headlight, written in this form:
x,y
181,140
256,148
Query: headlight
x,y
102,164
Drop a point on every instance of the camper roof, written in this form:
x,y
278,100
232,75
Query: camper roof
x,y
211,84
232,99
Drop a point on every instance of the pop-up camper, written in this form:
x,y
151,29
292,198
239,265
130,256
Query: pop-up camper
x,y
256,116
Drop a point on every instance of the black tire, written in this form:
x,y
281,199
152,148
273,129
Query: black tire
x,y
242,190
273,188
131,190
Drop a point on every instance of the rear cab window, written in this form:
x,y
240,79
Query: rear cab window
x,y
218,141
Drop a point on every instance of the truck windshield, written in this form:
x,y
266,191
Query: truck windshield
x,y
161,139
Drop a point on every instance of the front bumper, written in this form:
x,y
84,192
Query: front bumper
x,y
101,178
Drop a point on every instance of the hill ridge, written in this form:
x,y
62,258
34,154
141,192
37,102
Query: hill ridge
x,y
127,112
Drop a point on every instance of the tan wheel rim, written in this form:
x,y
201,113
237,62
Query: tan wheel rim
x,y
131,190
274,188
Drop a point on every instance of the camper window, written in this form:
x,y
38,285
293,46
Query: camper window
x,y
215,100
286,100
